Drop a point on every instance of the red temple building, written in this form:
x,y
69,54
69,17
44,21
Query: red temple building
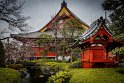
x,y
96,43
29,38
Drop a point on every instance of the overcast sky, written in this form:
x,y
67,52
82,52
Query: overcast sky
x,y
41,11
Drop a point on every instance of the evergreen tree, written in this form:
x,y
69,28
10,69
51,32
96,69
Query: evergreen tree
x,y
2,55
71,30
44,41
116,9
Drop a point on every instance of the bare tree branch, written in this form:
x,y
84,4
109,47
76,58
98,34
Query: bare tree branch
x,y
10,12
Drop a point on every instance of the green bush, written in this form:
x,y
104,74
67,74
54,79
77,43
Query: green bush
x,y
60,77
23,72
55,66
15,66
8,75
52,65
120,70
75,64
45,60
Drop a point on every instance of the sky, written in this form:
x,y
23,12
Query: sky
x,y
41,11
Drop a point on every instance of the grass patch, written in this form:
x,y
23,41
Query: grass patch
x,y
8,75
98,75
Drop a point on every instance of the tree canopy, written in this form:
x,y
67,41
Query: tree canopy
x,y
11,12
72,28
116,9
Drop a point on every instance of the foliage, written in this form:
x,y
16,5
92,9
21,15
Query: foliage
x,y
63,45
44,68
23,72
76,75
76,64
118,50
9,76
73,23
66,50
16,51
98,75
120,70
76,54
55,66
116,7
44,60
60,77
44,41
63,49
15,66
33,68
2,55
10,12
49,66
72,28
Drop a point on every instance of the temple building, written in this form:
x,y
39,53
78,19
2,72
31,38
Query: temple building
x,y
96,44
63,14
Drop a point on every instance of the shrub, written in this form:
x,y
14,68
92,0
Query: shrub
x,y
51,68
23,72
60,77
75,64
55,66
15,66
120,70
45,60
8,75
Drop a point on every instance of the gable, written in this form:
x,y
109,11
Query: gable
x,y
63,11
103,34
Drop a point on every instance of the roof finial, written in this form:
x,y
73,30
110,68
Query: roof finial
x,y
63,4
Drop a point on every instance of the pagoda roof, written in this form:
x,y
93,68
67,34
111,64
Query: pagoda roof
x,y
94,28
64,10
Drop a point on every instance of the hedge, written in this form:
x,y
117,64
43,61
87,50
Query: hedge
x,y
60,77
8,75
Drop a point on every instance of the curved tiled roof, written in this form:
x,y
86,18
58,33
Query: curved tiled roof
x,y
94,29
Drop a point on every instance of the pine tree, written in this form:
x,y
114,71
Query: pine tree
x,y
116,10
2,55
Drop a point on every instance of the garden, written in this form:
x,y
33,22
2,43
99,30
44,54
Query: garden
x,y
17,63
50,71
